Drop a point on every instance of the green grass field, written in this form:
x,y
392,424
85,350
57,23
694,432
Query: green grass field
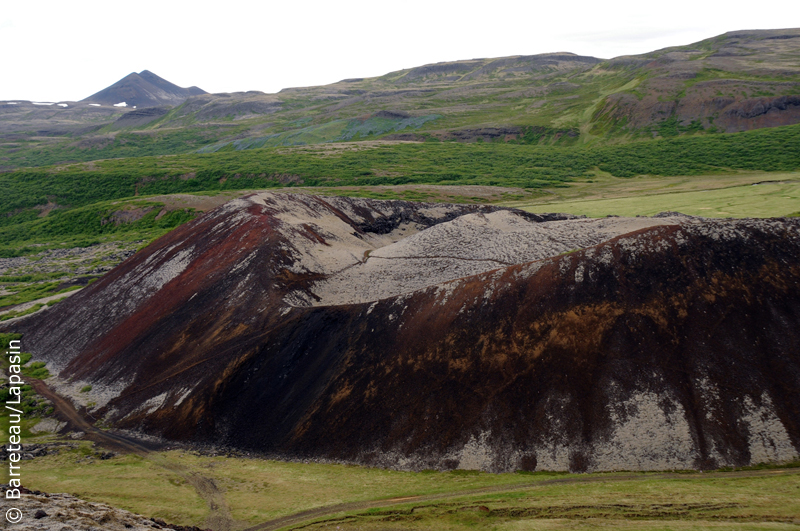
x,y
592,502
258,490
736,196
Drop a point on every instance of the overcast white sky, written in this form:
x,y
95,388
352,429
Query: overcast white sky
x,y
66,51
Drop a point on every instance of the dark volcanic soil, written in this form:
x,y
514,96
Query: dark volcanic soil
x,y
442,336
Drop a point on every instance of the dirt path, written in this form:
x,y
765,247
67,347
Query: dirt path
x,y
219,518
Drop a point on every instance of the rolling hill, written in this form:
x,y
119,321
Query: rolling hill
x,y
737,81
144,89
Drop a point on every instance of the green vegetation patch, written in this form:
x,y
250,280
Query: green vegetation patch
x,y
74,205
31,404
88,225
638,501
362,129
37,370
770,199
5,341
31,153
128,482
13,314
332,131
31,292
259,490
530,166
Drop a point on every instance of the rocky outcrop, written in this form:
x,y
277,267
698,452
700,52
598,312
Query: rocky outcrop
x,y
702,108
762,112
139,117
443,336
62,512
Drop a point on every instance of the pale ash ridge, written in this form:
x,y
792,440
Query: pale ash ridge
x,y
468,245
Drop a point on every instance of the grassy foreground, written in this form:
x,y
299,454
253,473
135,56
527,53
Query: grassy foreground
x,y
594,501
258,490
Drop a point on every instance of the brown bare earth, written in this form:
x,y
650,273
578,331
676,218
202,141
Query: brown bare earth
x,y
418,336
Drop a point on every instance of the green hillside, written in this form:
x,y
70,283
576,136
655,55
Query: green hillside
x,y
734,82
70,204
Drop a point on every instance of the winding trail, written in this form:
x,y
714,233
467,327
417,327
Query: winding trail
x,y
219,517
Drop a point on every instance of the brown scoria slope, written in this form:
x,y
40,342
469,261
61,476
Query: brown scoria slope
x,y
439,336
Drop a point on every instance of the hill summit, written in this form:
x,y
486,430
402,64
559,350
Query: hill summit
x,y
144,89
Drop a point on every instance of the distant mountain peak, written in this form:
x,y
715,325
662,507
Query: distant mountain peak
x,y
143,89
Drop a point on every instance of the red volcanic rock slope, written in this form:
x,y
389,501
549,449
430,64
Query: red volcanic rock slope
x,y
471,337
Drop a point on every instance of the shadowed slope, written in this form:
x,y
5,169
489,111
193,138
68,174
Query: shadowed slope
x,y
144,89
663,343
